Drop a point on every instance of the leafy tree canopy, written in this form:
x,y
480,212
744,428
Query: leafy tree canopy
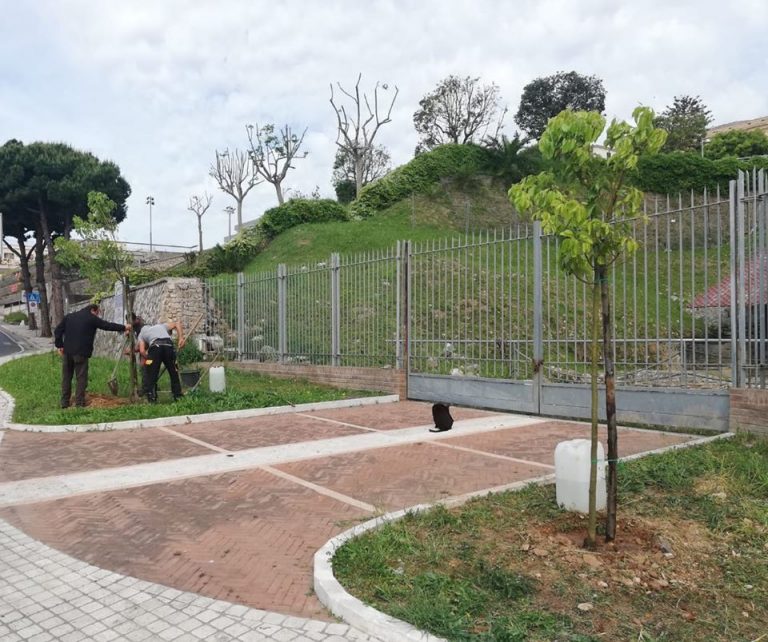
x,y
685,122
376,164
544,98
736,143
458,110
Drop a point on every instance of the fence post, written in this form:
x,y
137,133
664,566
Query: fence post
x,y
335,310
405,312
398,306
538,346
282,323
240,315
741,302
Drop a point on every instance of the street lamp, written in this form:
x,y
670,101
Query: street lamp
x,y
230,211
150,201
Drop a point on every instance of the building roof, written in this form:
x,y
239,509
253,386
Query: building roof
x,y
755,287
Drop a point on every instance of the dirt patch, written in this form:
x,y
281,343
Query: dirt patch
x,y
105,401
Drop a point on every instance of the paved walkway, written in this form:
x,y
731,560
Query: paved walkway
x,y
207,531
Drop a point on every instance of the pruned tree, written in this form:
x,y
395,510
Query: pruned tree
x,y
99,256
376,165
199,205
235,174
357,126
273,153
589,204
685,122
459,110
544,98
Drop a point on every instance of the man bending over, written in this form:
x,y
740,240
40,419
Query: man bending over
x,y
156,347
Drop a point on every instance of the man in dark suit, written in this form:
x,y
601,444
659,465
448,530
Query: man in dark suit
x,y
74,338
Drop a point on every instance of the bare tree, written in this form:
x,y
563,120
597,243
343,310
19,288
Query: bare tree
x,y
460,111
199,205
235,174
358,127
272,153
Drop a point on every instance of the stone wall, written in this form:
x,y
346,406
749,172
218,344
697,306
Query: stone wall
x,y
386,380
749,410
161,301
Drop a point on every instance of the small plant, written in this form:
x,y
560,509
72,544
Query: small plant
x,y
189,354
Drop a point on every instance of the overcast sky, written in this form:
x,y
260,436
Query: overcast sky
x,y
158,85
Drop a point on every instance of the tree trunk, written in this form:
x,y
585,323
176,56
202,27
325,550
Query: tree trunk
x,y
57,290
200,232
45,317
358,176
610,407
279,191
591,541
128,307
26,279
240,213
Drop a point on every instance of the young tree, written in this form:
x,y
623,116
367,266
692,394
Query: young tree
x,y
199,205
685,122
272,153
587,202
544,98
100,258
458,110
357,128
235,175
376,165
737,143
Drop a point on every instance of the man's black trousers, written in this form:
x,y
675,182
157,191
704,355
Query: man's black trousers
x,y
77,366
165,354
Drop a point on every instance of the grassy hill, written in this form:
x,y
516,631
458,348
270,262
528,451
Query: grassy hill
x,y
450,207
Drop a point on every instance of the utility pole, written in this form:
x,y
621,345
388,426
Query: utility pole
x,y
150,201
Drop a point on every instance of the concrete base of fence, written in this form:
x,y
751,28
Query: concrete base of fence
x,y
379,379
749,410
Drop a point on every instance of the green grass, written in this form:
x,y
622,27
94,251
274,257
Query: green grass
x,y
34,382
469,574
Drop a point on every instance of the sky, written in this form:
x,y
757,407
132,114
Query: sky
x,y
157,86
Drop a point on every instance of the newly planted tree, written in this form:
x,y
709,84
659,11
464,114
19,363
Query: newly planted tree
x,y
587,202
100,258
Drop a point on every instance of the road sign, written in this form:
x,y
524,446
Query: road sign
x,y
34,297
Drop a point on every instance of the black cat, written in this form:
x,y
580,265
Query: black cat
x,y
442,418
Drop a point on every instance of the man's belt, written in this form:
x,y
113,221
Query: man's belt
x,y
161,342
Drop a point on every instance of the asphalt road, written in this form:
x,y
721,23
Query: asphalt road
x,y
8,345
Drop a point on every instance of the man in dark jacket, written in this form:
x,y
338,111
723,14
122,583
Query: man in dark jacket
x,y
74,338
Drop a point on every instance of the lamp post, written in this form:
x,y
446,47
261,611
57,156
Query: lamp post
x,y
230,211
150,201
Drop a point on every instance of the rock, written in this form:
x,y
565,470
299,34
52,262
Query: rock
x,y
663,545
720,495
540,552
603,585
585,606
592,560
525,547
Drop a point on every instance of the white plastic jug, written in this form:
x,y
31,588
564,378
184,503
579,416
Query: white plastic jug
x,y
216,380
572,475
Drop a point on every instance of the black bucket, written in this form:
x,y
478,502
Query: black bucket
x,y
189,378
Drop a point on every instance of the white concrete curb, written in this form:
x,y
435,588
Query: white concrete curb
x,y
385,627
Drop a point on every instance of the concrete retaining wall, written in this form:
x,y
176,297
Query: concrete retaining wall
x,y
749,410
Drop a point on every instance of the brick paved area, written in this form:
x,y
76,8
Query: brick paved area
x,y
239,518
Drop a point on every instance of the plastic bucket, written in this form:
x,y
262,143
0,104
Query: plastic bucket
x,y
216,380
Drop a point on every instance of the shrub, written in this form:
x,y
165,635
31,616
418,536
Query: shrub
x,y
189,354
684,171
418,175
235,255
300,210
15,317
737,143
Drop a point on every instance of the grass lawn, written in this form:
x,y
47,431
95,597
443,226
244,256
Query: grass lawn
x,y
35,382
690,562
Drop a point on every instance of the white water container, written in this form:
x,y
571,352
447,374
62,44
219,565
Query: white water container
x,y
572,475
216,380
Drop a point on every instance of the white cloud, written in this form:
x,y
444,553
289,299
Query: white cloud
x,y
158,86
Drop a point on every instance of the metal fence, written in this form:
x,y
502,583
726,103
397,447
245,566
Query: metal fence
x,y
689,306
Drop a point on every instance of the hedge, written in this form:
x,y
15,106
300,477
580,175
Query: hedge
x,y
685,171
416,176
298,211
